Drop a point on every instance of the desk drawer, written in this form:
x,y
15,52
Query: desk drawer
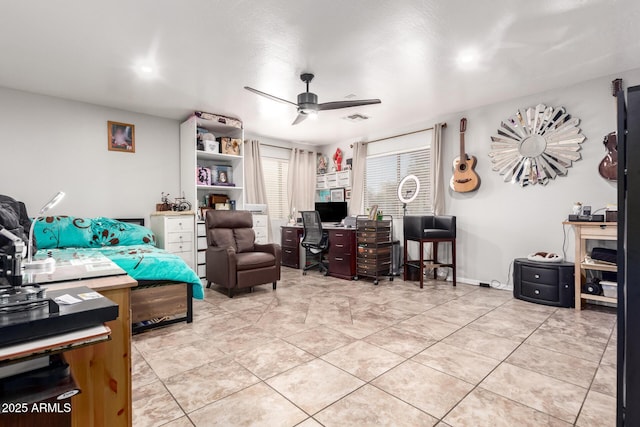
x,y
290,238
341,264
180,223
542,275
340,248
341,237
291,257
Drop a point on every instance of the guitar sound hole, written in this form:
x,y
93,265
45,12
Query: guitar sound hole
x,y
463,167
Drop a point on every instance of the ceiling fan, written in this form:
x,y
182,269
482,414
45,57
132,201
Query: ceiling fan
x,y
308,102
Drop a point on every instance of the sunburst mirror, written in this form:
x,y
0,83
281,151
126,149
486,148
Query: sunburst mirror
x,y
535,145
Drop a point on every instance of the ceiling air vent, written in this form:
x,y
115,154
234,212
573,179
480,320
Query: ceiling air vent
x,y
357,117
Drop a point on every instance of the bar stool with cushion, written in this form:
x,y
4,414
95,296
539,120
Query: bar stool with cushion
x,y
432,229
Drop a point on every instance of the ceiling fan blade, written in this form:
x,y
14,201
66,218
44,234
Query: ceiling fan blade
x,y
301,117
346,104
271,97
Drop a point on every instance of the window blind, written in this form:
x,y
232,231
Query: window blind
x,y
275,177
385,171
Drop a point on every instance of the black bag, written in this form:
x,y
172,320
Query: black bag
x,y
14,217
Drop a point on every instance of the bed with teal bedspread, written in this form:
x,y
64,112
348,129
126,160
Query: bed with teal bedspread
x,y
130,246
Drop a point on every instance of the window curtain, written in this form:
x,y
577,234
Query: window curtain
x,y
301,185
437,173
255,190
359,165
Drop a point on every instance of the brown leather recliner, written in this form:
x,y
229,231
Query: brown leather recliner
x,y
234,260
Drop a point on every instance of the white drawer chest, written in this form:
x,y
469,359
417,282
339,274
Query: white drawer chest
x,y
175,233
261,228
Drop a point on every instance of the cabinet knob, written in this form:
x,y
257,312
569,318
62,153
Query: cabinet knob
x,y
537,276
537,292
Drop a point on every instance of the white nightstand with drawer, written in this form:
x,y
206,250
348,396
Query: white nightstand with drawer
x,y
175,233
261,228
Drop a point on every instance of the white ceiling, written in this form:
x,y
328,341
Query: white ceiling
x,y
403,52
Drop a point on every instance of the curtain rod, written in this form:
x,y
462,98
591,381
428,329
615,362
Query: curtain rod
x,y
444,125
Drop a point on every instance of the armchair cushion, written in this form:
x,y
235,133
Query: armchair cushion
x,y
245,238
222,238
253,260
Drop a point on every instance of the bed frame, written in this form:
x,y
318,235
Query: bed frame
x,y
156,300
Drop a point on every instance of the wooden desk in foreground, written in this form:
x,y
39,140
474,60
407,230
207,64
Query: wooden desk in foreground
x,y
103,371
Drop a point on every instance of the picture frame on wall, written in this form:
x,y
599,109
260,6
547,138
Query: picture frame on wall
x,y
347,194
337,195
323,195
121,137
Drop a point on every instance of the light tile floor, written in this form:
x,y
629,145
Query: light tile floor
x,y
324,351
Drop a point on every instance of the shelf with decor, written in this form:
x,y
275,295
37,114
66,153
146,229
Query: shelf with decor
x,y
209,145
210,152
585,231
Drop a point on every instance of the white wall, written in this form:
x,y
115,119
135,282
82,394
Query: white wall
x,y
50,144
502,221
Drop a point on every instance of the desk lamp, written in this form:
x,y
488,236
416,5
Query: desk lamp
x,y
43,264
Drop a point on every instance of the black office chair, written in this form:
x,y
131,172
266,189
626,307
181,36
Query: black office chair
x,y
314,240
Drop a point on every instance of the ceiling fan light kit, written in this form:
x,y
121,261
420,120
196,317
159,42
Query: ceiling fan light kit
x,y
308,105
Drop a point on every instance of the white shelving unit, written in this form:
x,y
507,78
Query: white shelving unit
x,y
326,181
191,159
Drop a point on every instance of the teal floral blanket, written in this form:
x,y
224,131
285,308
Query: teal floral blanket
x,y
130,246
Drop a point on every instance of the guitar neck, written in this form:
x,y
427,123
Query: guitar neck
x,y
463,155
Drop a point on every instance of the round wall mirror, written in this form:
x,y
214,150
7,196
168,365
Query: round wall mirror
x,y
536,145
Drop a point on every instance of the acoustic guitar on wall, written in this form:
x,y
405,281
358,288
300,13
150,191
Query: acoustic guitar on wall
x,y
464,179
608,167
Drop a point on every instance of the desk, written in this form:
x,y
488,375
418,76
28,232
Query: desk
x,y
341,253
103,371
591,231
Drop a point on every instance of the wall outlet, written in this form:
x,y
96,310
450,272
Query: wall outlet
x,y
484,285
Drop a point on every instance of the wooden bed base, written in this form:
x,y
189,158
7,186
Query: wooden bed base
x,y
170,299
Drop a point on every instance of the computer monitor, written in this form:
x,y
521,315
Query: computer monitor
x,y
332,211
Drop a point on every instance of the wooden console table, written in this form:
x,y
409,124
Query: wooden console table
x,y
103,371
591,231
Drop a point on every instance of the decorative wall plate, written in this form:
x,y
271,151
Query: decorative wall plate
x,y
535,145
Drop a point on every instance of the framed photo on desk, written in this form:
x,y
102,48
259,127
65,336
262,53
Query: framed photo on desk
x,y
337,195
